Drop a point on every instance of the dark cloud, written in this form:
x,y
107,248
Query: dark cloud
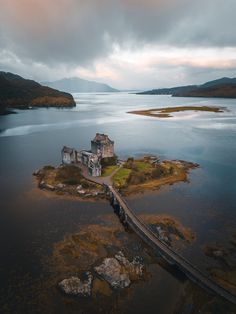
x,y
80,31
59,34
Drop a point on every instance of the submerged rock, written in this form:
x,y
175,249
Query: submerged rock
x,y
75,286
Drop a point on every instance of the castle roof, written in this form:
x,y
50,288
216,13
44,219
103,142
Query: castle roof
x,y
102,138
67,150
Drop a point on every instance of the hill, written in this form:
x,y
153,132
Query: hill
x,y
78,85
224,87
17,92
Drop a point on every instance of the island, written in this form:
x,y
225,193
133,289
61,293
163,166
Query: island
x,y
166,111
19,93
85,173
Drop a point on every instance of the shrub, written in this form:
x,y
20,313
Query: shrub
x,y
71,181
136,178
157,173
67,172
48,167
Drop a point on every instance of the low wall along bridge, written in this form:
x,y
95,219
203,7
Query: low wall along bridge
x,y
128,218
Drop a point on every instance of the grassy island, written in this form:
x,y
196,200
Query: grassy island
x,y
130,177
166,112
148,173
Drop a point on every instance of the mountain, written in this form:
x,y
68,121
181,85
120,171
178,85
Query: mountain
x,y
224,87
78,85
17,92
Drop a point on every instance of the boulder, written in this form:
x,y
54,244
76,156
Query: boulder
x,y
60,186
49,187
75,286
36,172
81,192
218,253
42,184
113,273
134,268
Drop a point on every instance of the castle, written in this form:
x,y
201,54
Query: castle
x,y
101,147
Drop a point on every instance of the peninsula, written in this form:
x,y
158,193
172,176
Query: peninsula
x,y
17,92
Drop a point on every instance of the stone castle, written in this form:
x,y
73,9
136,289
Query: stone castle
x,y
101,147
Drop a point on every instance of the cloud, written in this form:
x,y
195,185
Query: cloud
x,y
58,37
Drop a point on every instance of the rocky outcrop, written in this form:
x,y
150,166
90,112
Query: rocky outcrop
x,y
75,286
118,271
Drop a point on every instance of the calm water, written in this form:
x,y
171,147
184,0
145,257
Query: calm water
x,y
30,224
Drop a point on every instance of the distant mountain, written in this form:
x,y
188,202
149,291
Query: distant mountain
x,y
222,88
168,91
78,85
17,92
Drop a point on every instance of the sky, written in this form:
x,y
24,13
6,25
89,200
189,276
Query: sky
x,y
129,44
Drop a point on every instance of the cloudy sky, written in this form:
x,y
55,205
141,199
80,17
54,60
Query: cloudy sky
x,y
130,44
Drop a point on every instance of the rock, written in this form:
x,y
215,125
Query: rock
x,y
79,187
112,272
81,192
36,172
134,268
49,187
42,184
218,253
60,186
75,286
162,235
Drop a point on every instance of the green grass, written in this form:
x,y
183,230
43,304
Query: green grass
x,y
143,166
108,170
120,177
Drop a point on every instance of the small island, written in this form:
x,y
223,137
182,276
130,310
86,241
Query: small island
x,y
166,112
84,173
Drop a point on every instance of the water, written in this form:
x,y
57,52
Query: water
x,y
30,223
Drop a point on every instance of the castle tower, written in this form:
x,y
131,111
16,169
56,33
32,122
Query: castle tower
x,y
102,146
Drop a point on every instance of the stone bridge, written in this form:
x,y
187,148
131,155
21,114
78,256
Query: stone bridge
x,y
128,218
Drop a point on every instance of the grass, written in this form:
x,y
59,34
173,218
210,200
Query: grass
x,y
142,165
120,177
108,170
139,175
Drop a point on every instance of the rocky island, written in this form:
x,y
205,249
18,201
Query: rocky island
x,y
102,259
85,173
19,93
